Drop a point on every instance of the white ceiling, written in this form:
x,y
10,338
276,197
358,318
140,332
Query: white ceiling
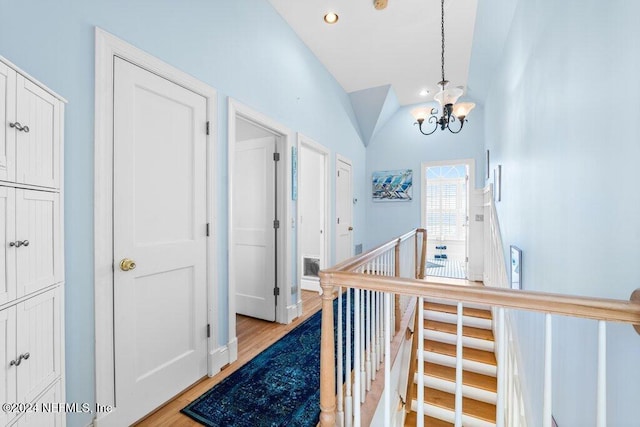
x,y
399,45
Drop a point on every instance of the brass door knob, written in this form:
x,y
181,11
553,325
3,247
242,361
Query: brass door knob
x,y
127,264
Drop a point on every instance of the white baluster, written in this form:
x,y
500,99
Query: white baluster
x,y
602,375
420,339
387,352
348,406
380,334
368,339
546,405
339,374
357,380
363,373
502,362
375,319
458,404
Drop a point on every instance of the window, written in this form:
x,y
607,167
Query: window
x,y
446,199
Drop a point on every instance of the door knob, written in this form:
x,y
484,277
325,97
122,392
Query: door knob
x,y
350,228
127,264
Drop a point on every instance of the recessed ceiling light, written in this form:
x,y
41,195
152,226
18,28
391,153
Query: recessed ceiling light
x,y
424,92
331,18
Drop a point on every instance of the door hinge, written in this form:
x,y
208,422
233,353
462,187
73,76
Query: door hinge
x,y
276,291
338,220
338,173
276,157
208,330
276,223
207,229
208,126
466,259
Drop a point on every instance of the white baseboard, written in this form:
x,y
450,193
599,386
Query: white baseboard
x,y
292,312
222,356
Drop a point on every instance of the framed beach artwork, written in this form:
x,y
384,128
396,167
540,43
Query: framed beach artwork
x,y
516,268
392,186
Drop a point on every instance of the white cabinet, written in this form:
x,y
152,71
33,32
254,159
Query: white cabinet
x,y
31,249
30,143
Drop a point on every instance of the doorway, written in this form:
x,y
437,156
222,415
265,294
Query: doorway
x,y
153,214
313,212
445,215
259,219
344,209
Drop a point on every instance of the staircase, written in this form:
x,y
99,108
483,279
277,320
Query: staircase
x,y
439,360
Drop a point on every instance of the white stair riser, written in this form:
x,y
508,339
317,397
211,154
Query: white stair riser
x,y
452,339
454,303
450,387
439,316
467,365
450,416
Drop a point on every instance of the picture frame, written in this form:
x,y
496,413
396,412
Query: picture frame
x,y
516,267
497,183
487,166
294,173
392,185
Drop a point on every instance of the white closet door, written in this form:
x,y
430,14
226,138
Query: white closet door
x,y
37,223
7,115
38,333
7,252
7,354
37,151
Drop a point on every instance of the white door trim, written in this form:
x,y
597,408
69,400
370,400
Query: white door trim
x,y
303,140
343,159
286,310
107,46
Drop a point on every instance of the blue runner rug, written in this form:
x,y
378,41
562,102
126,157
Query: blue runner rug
x,y
279,387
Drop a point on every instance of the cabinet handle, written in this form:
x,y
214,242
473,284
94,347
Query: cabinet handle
x,y
19,243
18,361
19,127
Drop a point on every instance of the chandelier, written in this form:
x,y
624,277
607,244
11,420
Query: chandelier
x,y
447,98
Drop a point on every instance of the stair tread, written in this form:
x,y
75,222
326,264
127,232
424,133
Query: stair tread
x,y
467,353
471,379
467,331
411,420
470,407
452,309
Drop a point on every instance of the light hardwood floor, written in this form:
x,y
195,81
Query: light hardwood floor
x,y
253,336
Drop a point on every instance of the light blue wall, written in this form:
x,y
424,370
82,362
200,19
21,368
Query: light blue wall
x,y
242,48
561,117
399,145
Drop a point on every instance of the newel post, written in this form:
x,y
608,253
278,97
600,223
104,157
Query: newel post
x,y
327,356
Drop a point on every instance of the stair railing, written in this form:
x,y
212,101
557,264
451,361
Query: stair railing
x,y
374,281
367,324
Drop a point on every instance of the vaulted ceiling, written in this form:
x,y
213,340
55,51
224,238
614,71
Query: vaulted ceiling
x,y
398,46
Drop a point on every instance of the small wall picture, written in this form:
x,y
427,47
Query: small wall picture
x,y
516,268
294,173
392,186
486,166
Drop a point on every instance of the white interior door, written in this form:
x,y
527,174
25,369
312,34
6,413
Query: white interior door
x,y
312,207
344,210
254,235
159,220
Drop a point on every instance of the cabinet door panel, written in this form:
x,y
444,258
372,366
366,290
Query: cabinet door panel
x,y
47,415
37,221
7,354
7,253
37,151
7,115
38,326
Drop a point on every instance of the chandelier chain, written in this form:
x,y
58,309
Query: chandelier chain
x,y
442,56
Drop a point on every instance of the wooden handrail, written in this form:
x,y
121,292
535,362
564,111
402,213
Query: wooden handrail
x,y
359,260
587,307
